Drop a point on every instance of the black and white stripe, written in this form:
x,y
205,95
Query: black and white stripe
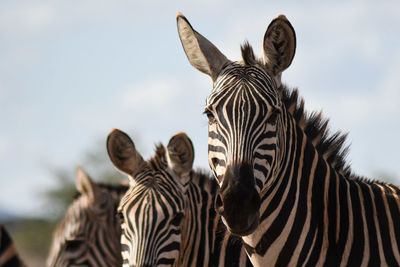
x,y
168,212
89,234
302,205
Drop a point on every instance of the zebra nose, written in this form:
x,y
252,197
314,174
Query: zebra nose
x,y
238,201
241,213
253,200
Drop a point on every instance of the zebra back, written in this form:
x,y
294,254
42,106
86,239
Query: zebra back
x,y
8,253
168,214
89,234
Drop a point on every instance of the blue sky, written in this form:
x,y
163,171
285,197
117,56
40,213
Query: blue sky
x,y
72,71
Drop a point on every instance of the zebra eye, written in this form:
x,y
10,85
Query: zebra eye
x,y
210,116
273,117
215,161
120,215
177,219
72,245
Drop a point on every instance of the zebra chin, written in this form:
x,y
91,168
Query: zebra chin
x,y
238,201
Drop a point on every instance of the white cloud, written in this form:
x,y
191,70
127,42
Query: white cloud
x,y
37,17
363,106
156,94
32,17
26,18
330,30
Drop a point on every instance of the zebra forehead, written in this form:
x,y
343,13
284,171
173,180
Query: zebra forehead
x,y
155,187
237,79
155,178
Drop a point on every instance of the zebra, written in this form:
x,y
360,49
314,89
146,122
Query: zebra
x,y
89,234
8,253
284,184
167,213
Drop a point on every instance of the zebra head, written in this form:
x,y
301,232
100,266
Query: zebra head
x,y
89,233
154,207
245,115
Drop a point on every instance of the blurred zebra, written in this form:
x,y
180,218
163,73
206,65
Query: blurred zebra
x,y
168,215
8,253
89,234
301,205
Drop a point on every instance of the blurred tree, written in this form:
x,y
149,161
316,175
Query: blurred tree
x,y
96,163
59,197
32,236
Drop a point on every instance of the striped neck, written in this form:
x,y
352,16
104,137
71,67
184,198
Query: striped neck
x,y
205,241
313,214
290,202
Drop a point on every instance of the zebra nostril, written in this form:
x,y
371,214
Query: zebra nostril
x,y
219,205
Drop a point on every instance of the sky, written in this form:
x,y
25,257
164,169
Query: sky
x,y
70,71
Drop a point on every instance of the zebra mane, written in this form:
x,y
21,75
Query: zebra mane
x,y
116,190
159,160
331,146
248,54
201,177
205,180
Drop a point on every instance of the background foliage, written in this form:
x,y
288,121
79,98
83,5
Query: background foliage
x,y
33,236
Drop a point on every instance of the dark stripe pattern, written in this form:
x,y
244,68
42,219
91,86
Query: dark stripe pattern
x,y
167,222
89,234
314,211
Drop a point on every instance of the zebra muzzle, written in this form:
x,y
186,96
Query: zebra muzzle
x,y
237,201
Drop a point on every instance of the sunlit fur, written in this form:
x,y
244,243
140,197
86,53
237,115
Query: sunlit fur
x,y
314,211
169,223
89,234
8,253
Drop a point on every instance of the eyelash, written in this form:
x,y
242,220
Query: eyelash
x,y
209,115
273,117
120,215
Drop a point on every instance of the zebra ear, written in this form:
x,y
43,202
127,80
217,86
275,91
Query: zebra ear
x,y
279,46
180,154
122,152
202,54
85,185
